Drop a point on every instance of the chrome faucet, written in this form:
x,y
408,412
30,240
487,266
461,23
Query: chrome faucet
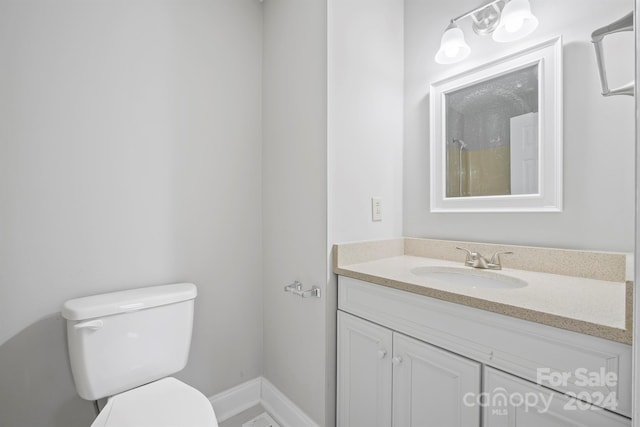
x,y
476,260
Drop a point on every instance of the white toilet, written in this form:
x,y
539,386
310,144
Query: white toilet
x,y
123,346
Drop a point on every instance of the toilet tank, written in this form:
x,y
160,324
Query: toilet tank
x,y
121,340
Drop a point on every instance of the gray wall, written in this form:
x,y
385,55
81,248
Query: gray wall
x,y
294,201
130,155
365,92
332,139
598,132
364,132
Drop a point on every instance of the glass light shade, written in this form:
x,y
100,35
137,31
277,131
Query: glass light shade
x,y
516,22
453,48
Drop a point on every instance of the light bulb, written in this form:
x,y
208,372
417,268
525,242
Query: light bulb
x,y
453,47
516,22
513,24
451,51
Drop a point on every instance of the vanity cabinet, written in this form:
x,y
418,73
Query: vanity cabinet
x,y
429,385
546,408
364,373
388,379
409,360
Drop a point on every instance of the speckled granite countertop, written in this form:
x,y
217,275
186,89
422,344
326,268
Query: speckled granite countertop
x,y
580,291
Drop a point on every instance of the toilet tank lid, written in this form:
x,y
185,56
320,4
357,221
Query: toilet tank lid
x,y
125,301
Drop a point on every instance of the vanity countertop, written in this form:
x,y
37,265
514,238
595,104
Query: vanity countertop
x,y
597,304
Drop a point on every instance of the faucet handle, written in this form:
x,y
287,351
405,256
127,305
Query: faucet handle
x,y
469,253
471,256
495,258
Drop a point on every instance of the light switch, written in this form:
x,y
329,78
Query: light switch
x,y
376,208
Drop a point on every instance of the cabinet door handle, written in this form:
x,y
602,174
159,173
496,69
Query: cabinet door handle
x,y
396,360
382,353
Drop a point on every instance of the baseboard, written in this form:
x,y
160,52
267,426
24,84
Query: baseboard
x,y
282,408
259,391
237,399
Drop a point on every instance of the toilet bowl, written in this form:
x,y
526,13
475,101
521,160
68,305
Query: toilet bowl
x,y
125,345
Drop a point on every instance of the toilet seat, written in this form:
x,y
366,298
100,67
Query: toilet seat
x,y
163,403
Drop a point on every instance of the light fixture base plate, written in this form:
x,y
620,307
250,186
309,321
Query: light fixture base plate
x,y
486,20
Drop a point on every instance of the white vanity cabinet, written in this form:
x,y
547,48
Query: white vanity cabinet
x,y
364,373
409,360
388,379
544,408
429,385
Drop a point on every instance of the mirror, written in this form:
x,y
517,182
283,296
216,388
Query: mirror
x,y
496,141
492,136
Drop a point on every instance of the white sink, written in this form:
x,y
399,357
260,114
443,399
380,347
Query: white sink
x,y
469,278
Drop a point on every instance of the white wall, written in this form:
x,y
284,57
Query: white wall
x,y
598,132
130,155
294,201
365,115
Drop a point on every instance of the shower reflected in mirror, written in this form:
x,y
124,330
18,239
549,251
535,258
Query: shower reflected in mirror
x,y
492,130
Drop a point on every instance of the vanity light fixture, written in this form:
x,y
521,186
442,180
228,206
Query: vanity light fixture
x,y
453,47
506,20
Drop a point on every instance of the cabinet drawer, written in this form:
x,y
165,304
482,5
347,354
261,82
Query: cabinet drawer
x,y
529,350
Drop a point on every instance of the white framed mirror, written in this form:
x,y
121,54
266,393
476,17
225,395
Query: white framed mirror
x,y
496,135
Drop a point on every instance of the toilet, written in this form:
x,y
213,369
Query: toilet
x,y
125,345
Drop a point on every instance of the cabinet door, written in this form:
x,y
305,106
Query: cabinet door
x,y
513,402
430,384
364,373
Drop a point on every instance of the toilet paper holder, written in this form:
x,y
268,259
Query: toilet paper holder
x,y
296,289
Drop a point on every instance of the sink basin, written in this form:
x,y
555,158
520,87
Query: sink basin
x,y
469,278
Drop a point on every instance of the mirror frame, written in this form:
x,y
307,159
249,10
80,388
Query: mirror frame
x,y
548,57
